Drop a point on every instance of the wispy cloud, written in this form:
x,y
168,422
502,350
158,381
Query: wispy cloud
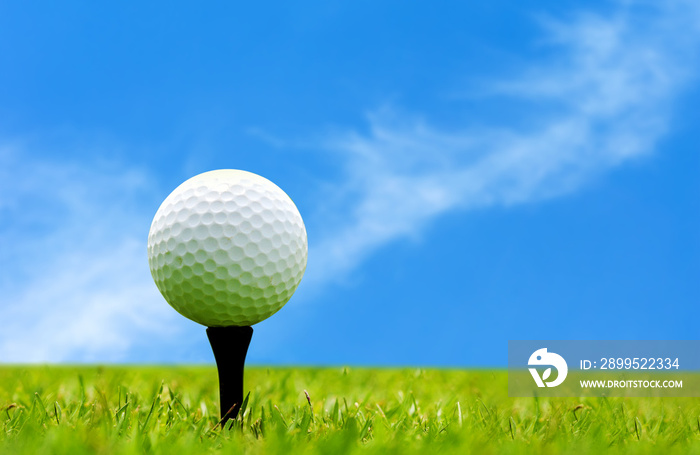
x,y
76,284
601,99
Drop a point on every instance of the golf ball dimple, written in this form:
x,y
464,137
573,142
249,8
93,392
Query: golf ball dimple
x,y
227,248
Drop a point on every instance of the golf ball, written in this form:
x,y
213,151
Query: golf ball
x,y
227,248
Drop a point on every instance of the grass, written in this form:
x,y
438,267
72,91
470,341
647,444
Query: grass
x,y
166,410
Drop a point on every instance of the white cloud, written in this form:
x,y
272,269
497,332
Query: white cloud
x,y
602,99
76,284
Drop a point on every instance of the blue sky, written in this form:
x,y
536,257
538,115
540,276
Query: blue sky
x,y
469,173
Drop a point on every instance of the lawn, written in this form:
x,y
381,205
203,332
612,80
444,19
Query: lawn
x,y
166,410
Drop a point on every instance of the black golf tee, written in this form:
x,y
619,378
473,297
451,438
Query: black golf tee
x,y
230,346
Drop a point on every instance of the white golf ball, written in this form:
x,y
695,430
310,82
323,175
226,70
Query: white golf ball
x,y
227,248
